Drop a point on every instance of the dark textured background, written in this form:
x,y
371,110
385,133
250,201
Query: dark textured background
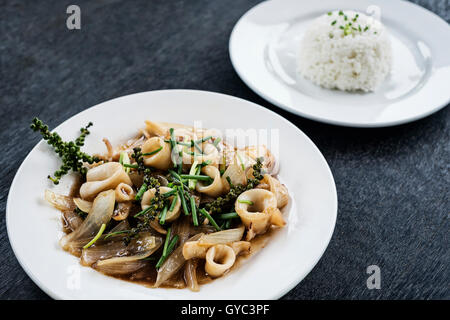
x,y
393,183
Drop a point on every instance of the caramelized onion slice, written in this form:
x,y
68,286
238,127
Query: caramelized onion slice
x,y
222,237
101,213
83,205
173,263
126,265
59,201
190,275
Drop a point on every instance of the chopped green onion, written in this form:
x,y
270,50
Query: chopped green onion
x,y
141,192
205,163
197,177
246,202
227,224
226,216
124,159
169,251
192,171
241,161
173,144
153,152
194,211
204,139
162,217
99,234
143,212
333,23
116,233
198,147
211,220
217,141
169,193
330,13
133,166
166,243
174,201
183,201
341,13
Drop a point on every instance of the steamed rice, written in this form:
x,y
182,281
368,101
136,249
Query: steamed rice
x,y
346,51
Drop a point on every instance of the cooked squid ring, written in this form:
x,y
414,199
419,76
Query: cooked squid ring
x,y
124,192
260,214
279,190
150,194
104,177
160,160
219,259
216,187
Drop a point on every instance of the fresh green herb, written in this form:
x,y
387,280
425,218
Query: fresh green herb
x,y
166,243
194,211
143,212
183,201
211,220
192,171
366,28
69,152
141,192
124,160
227,216
132,166
241,161
170,248
217,141
333,23
116,233
174,201
162,216
98,235
330,13
341,13
197,177
204,139
246,202
152,152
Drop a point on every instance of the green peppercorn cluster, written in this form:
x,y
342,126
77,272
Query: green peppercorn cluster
x,y
69,152
225,203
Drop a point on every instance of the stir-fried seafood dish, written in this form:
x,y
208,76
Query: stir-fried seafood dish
x,y
173,207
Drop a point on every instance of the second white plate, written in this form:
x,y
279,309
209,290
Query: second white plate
x,y
264,47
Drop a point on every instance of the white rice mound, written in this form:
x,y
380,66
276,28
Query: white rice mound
x,y
346,59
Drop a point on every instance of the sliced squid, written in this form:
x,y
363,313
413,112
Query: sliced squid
x,y
258,210
216,187
279,190
150,194
219,259
104,177
124,192
161,159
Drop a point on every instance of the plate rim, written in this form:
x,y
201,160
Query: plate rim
x,y
275,295
297,112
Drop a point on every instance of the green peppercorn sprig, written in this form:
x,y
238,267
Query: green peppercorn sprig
x,y
69,152
225,203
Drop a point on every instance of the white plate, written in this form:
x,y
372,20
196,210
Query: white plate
x,y
264,45
34,227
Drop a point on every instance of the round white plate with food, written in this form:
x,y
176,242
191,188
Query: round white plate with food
x,y
341,70
256,246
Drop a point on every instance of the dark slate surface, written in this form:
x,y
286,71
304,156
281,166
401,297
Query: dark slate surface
x,y
393,183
